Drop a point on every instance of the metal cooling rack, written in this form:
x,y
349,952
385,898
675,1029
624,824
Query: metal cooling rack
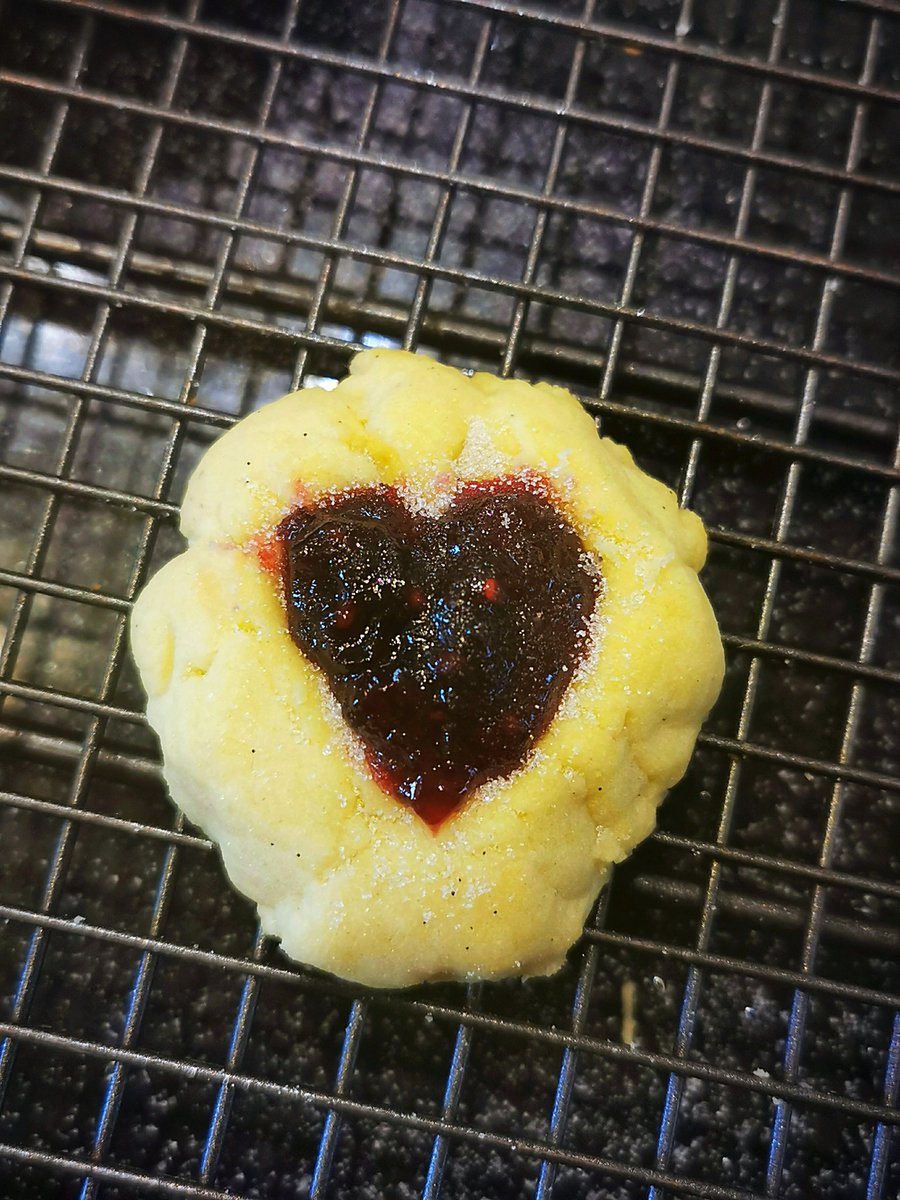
x,y
687,212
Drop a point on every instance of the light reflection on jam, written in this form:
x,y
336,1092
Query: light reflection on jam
x,y
447,641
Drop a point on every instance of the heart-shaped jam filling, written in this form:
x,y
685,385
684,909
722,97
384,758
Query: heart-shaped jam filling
x,y
447,641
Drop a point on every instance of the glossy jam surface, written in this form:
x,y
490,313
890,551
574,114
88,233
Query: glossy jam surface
x,y
447,641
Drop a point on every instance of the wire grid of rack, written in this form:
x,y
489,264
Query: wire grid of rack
x,y
685,211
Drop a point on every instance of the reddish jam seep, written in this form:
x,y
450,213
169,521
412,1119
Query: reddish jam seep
x,y
447,641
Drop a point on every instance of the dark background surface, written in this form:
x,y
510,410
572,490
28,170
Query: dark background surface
x,y
686,213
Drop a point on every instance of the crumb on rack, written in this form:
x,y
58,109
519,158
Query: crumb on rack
x,y
629,992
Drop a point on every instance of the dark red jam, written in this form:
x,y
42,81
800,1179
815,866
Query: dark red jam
x,y
447,641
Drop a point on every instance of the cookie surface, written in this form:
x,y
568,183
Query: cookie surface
x,y
258,753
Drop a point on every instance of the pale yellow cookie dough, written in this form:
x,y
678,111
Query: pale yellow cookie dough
x,y
257,753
